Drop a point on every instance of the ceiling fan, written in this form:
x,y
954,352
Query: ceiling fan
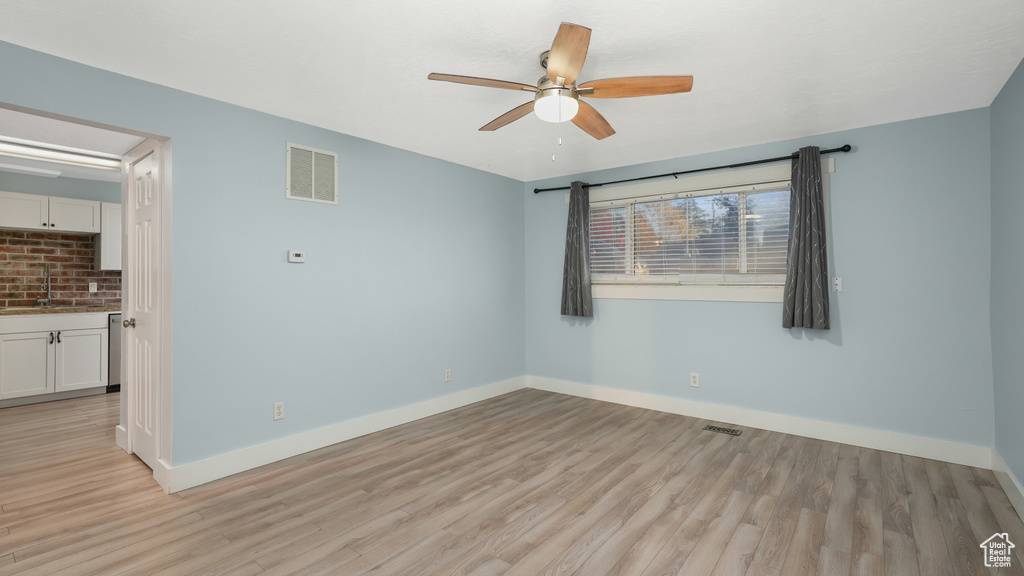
x,y
557,96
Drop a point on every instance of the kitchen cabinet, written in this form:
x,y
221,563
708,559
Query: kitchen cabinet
x,y
28,211
72,215
108,241
26,364
39,356
35,212
80,360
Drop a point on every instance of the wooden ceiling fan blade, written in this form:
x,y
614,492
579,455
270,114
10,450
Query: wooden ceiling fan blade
x,y
508,117
568,52
474,81
591,122
636,86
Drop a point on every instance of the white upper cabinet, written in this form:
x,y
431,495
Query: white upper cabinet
x,y
35,212
71,215
108,242
28,211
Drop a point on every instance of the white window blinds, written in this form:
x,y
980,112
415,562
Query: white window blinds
x,y
725,236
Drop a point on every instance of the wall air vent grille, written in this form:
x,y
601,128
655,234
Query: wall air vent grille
x,y
730,431
312,174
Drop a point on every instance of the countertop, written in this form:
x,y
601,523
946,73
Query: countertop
x,y
59,310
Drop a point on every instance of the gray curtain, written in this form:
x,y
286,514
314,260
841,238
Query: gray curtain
x,y
805,299
576,299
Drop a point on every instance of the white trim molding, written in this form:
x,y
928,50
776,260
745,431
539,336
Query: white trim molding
x,y
186,476
944,450
715,293
177,478
162,474
1010,483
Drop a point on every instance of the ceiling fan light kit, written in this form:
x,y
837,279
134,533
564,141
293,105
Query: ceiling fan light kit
x,y
556,104
557,96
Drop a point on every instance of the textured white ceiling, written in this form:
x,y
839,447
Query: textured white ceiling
x,y
763,70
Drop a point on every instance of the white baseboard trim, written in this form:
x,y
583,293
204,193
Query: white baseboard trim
x,y
944,450
176,478
121,437
162,475
1010,483
195,473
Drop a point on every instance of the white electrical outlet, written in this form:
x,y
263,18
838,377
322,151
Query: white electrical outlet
x,y
278,410
447,374
93,287
695,379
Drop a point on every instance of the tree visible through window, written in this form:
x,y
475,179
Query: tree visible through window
x,y
720,238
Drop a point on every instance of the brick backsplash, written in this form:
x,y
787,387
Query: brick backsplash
x,y
22,281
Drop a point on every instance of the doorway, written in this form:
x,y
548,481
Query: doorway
x,y
145,185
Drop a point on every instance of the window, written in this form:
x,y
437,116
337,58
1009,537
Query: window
x,y
721,236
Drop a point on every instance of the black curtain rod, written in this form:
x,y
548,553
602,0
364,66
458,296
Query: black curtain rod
x,y
843,148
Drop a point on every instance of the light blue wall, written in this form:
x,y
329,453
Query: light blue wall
x,y
78,188
910,349
1008,271
420,267
424,263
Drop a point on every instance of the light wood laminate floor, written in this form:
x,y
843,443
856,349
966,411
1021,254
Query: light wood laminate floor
x,y
528,483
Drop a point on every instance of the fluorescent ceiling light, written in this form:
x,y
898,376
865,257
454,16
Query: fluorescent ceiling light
x,y
14,149
32,171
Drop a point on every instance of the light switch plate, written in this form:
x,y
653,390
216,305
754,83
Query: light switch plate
x,y
93,288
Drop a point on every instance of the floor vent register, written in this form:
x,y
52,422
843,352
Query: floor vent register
x,y
729,431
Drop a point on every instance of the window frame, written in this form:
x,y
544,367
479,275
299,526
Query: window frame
x,y
669,287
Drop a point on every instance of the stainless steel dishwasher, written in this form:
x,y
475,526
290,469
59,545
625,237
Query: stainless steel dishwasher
x,y
114,351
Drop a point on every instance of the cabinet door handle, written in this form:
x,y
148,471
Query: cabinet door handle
x,y
51,337
58,337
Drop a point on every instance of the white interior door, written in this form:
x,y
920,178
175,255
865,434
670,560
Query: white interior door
x,y
143,292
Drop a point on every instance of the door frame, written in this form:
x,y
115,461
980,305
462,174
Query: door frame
x,y
161,470
166,332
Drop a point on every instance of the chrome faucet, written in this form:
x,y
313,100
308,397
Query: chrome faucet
x,y
48,301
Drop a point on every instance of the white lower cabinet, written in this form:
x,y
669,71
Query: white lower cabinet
x,y
43,362
79,359
26,364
